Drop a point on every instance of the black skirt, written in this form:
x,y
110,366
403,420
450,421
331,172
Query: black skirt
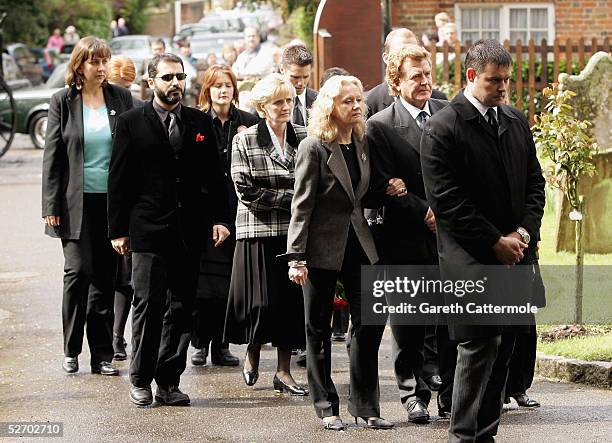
x,y
264,305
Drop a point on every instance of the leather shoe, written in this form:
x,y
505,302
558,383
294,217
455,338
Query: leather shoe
x,y
171,396
250,377
300,360
338,336
223,357
198,358
104,368
376,423
141,396
119,348
334,425
281,386
526,402
70,364
434,382
417,412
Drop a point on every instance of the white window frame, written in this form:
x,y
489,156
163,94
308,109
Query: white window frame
x,y
504,17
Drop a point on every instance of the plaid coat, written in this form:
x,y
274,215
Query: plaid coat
x,y
263,181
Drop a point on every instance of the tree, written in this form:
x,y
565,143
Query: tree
x,y
565,140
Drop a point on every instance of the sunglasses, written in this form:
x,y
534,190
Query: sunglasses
x,y
168,77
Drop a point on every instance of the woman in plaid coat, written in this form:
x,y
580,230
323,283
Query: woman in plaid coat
x,y
263,306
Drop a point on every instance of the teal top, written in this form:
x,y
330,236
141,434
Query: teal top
x,y
97,142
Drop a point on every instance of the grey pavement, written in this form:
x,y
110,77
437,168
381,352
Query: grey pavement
x,y
95,408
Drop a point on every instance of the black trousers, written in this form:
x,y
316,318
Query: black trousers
x,y
478,388
447,361
407,356
165,285
522,363
430,353
319,292
89,269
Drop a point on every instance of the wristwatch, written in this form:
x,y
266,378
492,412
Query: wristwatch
x,y
524,234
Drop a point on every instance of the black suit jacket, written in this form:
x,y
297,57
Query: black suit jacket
x,y
62,181
480,185
378,98
156,194
394,138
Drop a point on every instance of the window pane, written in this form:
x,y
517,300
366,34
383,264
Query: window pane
x,y
539,18
518,18
490,34
470,19
490,18
469,36
515,35
537,36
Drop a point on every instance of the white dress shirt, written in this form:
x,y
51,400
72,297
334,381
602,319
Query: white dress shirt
x,y
414,111
481,108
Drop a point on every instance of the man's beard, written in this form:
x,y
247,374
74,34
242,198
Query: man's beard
x,y
169,98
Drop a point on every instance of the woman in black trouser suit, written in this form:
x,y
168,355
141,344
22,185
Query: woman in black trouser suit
x,y
329,239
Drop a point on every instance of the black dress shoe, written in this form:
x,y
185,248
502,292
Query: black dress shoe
x,y
434,382
300,360
198,358
223,357
104,368
70,364
417,412
171,396
526,402
141,396
281,386
444,414
119,348
376,423
250,377
338,336
334,425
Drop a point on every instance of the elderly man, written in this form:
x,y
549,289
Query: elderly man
x,y
378,98
256,60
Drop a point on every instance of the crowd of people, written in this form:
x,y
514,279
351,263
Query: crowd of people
x,y
221,225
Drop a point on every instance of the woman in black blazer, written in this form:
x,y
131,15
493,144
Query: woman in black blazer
x,y
218,98
75,170
329,239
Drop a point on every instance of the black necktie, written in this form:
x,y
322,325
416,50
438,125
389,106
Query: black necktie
x,y
174,134
422,118
298,118
493,120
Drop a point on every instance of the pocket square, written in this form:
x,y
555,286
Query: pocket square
x,y
199,137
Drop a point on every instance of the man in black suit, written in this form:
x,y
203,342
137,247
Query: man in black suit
x,y
378,98
484,183
407,234
166,192
296,66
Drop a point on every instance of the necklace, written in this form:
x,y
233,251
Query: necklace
x,y
346,146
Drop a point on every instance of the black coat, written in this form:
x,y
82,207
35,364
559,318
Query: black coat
x,y
480,186
155,193
394,138
378,98
62,182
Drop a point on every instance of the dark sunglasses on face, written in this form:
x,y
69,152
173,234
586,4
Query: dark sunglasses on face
x,y
168,77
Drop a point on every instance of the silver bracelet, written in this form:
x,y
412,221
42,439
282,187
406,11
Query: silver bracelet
x,y
297,263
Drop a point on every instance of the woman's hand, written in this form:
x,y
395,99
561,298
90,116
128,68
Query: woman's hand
x,y
220,233
52,220
396,188
121,245
298,274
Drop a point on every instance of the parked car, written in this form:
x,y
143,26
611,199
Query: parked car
x,y
12,74
202,45
32,106
27,62
209,25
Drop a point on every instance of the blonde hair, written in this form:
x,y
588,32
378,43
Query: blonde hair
x,y
119,68
321,124
269,88
86,49
395,61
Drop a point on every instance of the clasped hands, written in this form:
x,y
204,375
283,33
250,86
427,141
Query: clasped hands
x,y
509,249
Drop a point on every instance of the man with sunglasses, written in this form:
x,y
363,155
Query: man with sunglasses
x,y
166,192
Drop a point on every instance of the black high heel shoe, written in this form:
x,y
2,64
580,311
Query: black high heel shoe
x,y
250,377
281,386
376,423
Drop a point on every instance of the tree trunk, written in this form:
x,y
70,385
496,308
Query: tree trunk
x,y
579,262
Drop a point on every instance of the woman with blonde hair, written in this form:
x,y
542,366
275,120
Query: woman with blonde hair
x,y
218,98
77,153
329,240
263,306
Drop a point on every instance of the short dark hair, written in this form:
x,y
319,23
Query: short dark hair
x,y
331,72
160,41
165,57
296,55
484,52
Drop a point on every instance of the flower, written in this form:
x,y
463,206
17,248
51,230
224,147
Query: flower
x,y
199,138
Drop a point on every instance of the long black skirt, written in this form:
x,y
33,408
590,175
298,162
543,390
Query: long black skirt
x,y
264,305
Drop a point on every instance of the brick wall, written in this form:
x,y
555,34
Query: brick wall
x,y
574,18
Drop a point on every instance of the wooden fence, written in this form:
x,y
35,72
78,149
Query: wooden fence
x,y
531,81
